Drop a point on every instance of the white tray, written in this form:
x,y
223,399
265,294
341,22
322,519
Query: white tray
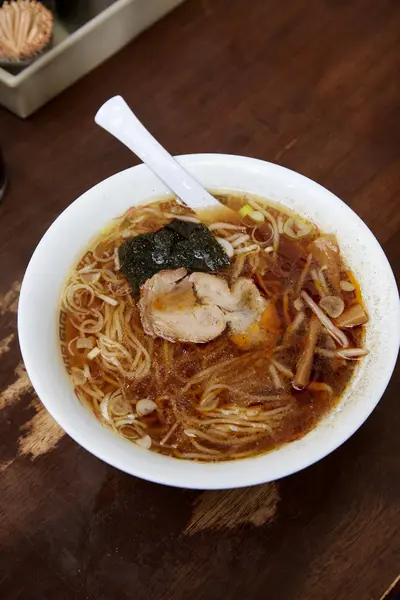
x,y
78,53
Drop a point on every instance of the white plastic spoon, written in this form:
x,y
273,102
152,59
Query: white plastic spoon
x,y
116,117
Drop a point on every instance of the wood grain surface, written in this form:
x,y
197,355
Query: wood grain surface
x,y
313,85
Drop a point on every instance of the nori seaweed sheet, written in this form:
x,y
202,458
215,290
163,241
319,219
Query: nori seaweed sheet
x,y
177,244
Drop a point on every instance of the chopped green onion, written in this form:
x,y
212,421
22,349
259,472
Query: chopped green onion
x,y
246,210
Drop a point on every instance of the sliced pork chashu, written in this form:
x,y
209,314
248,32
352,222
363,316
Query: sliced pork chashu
x,y
197,308
242,303
169,309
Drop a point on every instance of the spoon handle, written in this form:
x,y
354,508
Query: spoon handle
x,y
116,117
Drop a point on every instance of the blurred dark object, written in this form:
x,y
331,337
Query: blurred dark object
x,y
75,13
393,593
67,8
3,176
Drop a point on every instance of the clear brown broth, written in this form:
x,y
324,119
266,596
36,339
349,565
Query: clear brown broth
x,y
172,365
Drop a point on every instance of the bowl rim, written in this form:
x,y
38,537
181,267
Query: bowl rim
x,y
207,475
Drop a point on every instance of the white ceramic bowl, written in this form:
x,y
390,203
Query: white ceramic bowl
x,y
67,238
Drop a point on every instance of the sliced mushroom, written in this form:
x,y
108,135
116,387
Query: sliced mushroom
x,y
332,305
352,316
346,286
144,442
145,407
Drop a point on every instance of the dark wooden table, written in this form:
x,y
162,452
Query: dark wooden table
x,y
313,85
